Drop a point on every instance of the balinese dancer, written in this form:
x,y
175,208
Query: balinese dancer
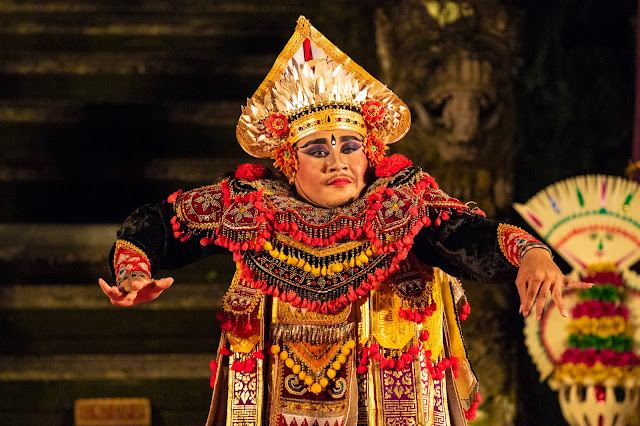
x,y
344,308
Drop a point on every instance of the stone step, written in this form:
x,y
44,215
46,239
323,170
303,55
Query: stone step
x,y
155,62
68,319
65,111
42,390
77,254
95,367
47,130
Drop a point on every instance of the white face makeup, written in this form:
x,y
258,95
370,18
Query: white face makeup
x,y
332,167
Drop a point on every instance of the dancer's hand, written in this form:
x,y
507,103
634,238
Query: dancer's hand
x,y
537,277
135,290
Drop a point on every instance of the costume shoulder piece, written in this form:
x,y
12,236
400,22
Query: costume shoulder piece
x,y
316,258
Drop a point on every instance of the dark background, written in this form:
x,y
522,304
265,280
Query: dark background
x,y
106,105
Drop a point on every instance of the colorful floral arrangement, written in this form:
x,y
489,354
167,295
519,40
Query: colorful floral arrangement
x,y
600,342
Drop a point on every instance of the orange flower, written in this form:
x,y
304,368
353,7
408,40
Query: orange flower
x,y
372,112
374,148
286,159
277,124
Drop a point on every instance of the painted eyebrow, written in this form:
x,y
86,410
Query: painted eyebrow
x,y
319,141
324,141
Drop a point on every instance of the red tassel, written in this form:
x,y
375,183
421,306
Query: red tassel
x,y
407,357
172,198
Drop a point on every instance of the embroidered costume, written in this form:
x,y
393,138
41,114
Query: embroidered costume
x,y
337,316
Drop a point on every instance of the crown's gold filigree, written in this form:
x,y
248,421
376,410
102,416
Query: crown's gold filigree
x,y
301,96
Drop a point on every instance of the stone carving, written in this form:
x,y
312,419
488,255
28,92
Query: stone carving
x,y
453,63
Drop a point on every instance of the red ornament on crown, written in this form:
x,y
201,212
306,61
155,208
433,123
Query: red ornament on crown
x,y
277,125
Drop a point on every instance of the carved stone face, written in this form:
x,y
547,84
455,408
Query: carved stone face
x,y
459,105
451,64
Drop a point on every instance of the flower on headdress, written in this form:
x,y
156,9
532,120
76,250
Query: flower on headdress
x,y
374,148
285,159
277,124
372,112
389,166
251,172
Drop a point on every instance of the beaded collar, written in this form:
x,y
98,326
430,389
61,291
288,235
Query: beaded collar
x,y
314,258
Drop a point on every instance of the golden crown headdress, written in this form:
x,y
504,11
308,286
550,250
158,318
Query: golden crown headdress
x,y
314,86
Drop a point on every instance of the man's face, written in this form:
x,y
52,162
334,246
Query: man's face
x,y
332,167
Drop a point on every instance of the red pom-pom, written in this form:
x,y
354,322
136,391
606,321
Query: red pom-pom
x,y
389,166
172,198
251,172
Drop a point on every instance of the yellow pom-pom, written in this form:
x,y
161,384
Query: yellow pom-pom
x,y
350,344
316,388
352,262
282,257
274,253
307,267
308,380
284,355
275,349
363,258
323,271
315,270
345,351
338,267
289,363
301,263
342,359
331,373
324,382
368,252
296,369
336,365
267,246
302,375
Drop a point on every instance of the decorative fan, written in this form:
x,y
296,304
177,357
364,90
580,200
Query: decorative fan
x,y
591,357
588,220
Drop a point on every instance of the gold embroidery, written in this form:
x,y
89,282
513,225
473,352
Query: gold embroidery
x,y
387,327
129,246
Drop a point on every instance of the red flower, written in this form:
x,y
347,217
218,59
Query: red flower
x,y
277,124
372,112
389,166
251,172
589,357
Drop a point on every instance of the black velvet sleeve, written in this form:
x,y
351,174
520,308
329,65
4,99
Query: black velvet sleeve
x,y
465,246
149,228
